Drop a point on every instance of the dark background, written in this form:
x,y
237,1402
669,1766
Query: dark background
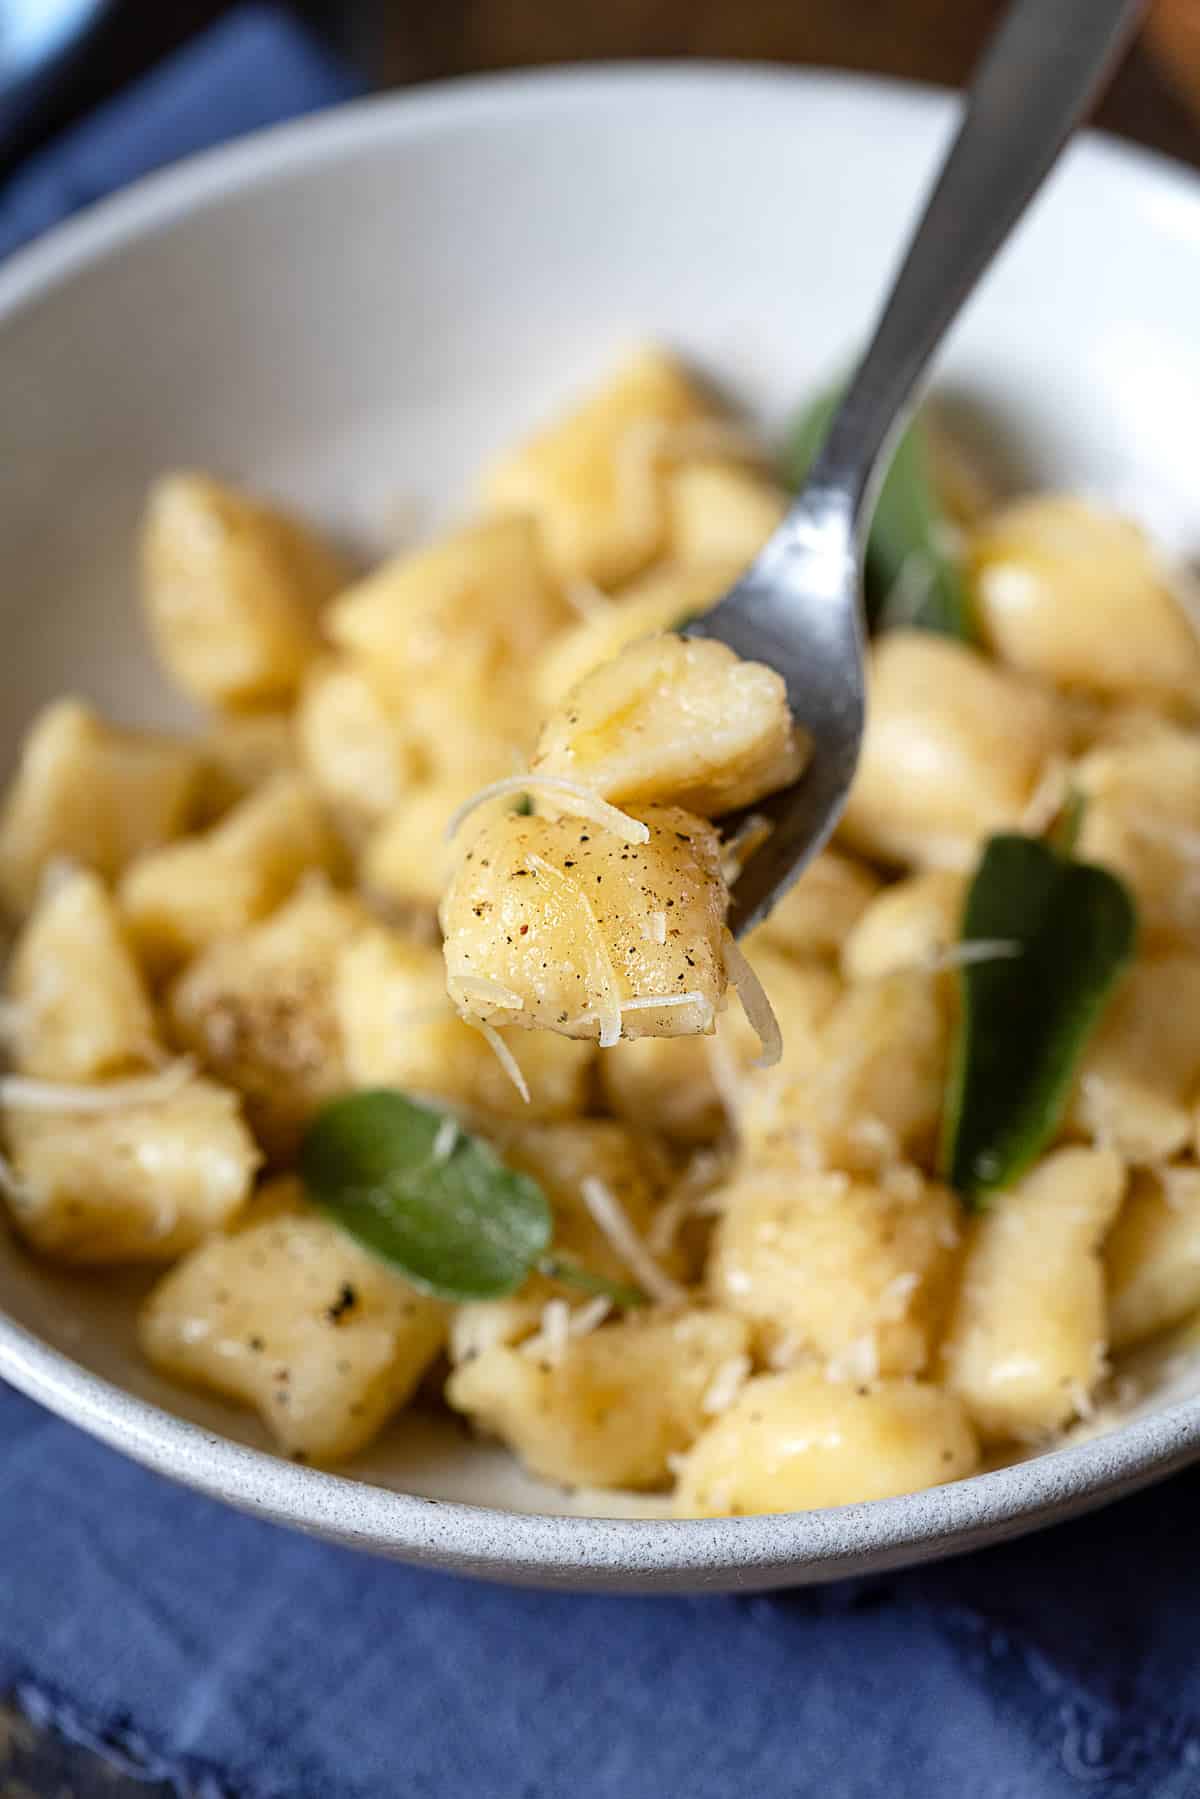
x,y
1155,99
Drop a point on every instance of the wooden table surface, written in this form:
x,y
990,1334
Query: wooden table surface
x,y
920,40
924,40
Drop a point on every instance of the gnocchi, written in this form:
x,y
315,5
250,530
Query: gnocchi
x,y
797,1441
257,1009
463,827
856,1272
594,482
233,591
399,1029
616,1409
550,923
954,749
1026,1342
138,1183
82,1008
288,1316
1152,1255
1076,596
679,721
177,900
88,792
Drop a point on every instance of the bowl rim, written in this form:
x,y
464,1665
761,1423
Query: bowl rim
x,y
545,1547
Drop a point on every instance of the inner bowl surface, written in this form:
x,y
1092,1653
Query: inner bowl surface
x,y
353,313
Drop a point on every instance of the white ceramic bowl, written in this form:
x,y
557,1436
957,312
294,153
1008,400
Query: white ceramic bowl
x,y
353,312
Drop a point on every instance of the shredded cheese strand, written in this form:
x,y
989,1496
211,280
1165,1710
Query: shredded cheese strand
x,y
446,1140
553,1335
584,1319
909,591
667,1222
968,952
726,1384
760,1013
609,1013
23,1093
737,850
503,1055
1046,801
570,796
481,986
610,1217
654,1002
724,1072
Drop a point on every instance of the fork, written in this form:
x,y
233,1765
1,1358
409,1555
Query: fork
x,y
798,607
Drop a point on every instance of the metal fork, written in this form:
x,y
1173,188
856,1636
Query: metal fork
x,y
798,607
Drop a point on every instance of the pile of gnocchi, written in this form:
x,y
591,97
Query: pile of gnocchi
x,y
214,938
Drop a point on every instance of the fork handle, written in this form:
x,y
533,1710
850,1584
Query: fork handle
x,y
1046,64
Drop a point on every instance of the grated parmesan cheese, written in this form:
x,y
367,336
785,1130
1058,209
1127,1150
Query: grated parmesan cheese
x,y
446,1140
724,1072
858,1362
587,1317
1082,1401
784,1352
569,796
503,1055
874,1137
737,850
554,1334
967,953
907,595
21,1093
1094,1090
609,1216
894,1300
653,1002
609,1010
948,1234
903,1182
726,1384
759,1011
666,1223
480,986
1047,799
654,928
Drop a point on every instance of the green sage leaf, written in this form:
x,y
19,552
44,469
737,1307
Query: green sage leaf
x,y
1026,1018
424,1195
573,1274
913,578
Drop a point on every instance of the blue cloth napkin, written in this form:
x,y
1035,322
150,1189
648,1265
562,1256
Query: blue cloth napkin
x,y
254,69
230,1658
